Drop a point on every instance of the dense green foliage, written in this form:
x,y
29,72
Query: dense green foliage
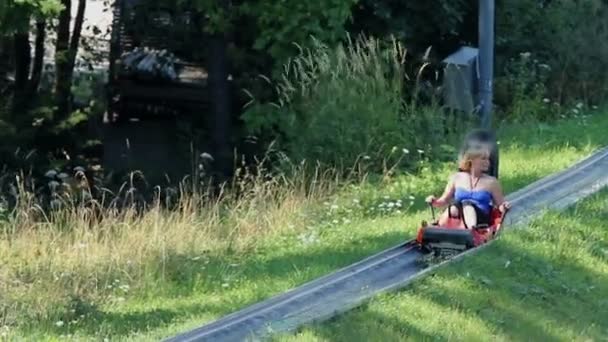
x,y
567,37
324,93
283,25
338,105
442,24
353,100
547,55
14,14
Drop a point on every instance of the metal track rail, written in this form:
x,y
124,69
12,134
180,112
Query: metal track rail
x,y
392,268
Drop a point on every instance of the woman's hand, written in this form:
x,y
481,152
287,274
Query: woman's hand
x,y
430,199
504,207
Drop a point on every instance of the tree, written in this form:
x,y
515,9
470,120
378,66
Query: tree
x,y
15,21
65,54
442,24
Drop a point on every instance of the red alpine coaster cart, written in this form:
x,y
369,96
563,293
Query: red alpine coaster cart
x,y
456,235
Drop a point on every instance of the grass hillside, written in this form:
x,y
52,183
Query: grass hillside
x,y
130,277
545,283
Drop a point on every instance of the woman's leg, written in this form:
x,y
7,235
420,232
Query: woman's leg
x,y
452,211
443,218
469,215
474,216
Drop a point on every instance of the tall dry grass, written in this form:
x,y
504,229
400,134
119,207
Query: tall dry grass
x,y
54,260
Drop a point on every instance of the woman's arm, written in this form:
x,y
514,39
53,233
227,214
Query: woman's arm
x,y
447,194
498,196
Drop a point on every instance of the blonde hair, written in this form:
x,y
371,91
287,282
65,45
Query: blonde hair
x,y
466,159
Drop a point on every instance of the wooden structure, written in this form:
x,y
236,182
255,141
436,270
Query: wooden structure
x,y
142,23
139,126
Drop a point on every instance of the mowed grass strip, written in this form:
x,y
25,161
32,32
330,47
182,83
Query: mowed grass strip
x,y
153,277
548,282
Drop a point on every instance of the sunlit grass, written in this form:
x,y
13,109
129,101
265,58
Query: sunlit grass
x,y
546,283
128,277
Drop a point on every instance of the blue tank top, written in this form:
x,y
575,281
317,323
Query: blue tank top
x,y
481,198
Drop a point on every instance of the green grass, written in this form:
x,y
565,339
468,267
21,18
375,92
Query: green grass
x,y
149,278
545,283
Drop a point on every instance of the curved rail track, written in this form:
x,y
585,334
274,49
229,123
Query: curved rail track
x,y
392,268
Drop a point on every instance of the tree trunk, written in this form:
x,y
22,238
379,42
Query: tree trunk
x,y
34,82
62,86
221,103
6,58
23,58
65,55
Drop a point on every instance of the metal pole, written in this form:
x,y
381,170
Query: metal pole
x,y
486,60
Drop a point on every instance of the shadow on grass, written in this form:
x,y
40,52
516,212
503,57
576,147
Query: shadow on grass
x,y
258,279
527,296
134,322
373,326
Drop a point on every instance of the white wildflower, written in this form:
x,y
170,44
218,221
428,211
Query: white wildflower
x,y
50,174
53,185
206,156
55,204
59,323
405,151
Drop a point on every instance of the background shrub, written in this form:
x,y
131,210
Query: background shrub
x,y
571,37
338,105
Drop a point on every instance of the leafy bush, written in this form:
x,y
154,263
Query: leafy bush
x,y
571,37
281,24
442,24
337,105
522,93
